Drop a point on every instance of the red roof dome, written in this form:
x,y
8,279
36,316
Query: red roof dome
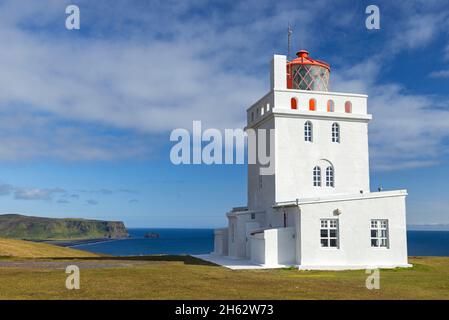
x,y
305,73
303,58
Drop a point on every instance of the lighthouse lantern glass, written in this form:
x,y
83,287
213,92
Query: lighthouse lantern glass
x,y
310,77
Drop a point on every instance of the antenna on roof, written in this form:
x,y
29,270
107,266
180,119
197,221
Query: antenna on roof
x,y
289,40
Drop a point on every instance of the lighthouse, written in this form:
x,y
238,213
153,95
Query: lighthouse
x,y
316,211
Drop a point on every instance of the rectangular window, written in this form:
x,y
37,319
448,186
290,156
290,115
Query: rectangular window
x,y
329,233
379,233
317,177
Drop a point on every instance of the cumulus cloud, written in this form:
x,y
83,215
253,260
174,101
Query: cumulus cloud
x,y
408,129
132,74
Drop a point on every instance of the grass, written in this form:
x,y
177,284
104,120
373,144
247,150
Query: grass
x,y
184,277
24,249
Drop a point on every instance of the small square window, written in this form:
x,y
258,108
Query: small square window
x,y
379,233
329,233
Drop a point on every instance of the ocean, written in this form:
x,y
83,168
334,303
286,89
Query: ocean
x,y
200,241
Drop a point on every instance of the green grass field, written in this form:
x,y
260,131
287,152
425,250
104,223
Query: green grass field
x,y
184,277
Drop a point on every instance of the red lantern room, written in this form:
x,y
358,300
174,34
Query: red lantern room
x,y
305,73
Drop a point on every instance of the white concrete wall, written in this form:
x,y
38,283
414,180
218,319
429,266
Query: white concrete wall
x,y
354,233
296,158
261,196
274,247
243,225
278,72
258,248
282,101
221,241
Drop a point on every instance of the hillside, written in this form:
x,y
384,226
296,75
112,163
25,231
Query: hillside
x,y
36,228
26,249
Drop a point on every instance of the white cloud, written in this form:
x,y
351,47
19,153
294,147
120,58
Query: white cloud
x,y
407,130
36,193
61,93
439,74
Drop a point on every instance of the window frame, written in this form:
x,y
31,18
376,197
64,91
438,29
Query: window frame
x,y
312,104
379,225
308,131
294,103
330,177
316,176
335,132
330,105
348,107
327,225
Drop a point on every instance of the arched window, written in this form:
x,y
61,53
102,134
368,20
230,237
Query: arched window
x,y
348,107
294,103
330,106
317,176
308,131
329,177
335,132
312,104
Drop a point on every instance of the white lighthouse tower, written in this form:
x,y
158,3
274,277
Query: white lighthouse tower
x,y
316,210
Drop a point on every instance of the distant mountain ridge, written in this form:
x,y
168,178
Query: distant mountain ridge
x,y
18,226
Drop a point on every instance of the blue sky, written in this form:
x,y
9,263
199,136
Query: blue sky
x,y
85,116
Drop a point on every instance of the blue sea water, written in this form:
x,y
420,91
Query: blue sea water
x,y
200,241
170,241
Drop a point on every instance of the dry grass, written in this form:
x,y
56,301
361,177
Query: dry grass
x,y
37,271
178,277
27,249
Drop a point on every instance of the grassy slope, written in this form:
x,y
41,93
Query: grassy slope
x,y
171,277
26,249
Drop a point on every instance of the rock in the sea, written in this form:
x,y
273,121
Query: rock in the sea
x,y
151,235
